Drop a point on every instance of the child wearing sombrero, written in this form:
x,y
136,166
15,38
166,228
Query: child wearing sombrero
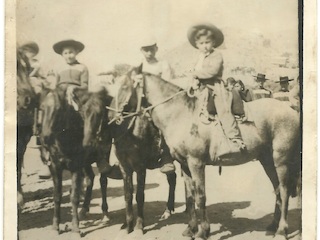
x,y
73,75
208,71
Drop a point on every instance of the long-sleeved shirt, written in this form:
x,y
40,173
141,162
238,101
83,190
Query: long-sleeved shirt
x,y
76,74
209,67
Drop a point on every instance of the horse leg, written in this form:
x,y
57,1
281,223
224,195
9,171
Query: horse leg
x,y
190,206
74,198
141,179
266,161
56,173
89,182
172,181
103,188
128,192
197,169
282,171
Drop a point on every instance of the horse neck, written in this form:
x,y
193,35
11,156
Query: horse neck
x,y
158,90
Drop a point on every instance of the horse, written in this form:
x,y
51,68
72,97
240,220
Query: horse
x,y
273,137
136,142
27,101
62,137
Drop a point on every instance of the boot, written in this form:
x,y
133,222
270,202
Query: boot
x,y
166,161
230,148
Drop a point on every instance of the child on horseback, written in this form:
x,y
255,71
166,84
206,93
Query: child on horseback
x,y
73,75
150,64
208,72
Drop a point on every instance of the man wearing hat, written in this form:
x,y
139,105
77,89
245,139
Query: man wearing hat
x,y
261,91
208,71
283,94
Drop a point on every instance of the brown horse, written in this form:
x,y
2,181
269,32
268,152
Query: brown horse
x,y
273,137
26,103
136,143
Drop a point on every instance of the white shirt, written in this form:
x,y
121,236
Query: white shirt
x,y
159,68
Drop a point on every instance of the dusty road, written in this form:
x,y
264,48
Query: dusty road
x,y
240,205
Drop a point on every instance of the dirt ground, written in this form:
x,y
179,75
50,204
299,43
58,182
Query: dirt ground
x,y
240,205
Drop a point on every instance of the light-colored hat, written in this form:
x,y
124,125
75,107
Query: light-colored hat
x,y
261,77
217,34
58,47
284,79
148,41
31,46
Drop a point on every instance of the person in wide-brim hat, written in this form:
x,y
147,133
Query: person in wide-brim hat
x,y
284,79
260,77
59,46
216,32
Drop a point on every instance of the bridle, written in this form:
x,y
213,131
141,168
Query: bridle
x,y
121,115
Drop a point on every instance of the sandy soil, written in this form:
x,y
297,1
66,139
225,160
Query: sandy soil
x,y
240,205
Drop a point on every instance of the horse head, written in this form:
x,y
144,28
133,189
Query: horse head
x,y
26,97
93,111
125,99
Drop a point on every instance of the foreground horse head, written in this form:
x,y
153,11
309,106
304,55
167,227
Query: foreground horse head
x,y
273,137
26,102
94,114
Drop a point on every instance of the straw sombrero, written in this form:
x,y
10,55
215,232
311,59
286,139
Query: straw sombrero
x,y
58,47
217,34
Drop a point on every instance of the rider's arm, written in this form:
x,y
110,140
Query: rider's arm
x,y
212,66
84,78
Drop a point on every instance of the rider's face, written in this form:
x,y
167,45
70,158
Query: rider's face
x,y
149,52
237,87
69,54
205,44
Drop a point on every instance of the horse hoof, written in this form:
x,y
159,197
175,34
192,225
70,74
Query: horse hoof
x,y
83,214
188,233
165,215
271,229
105,219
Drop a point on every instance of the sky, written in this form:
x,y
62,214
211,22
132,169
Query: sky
x,y
112,29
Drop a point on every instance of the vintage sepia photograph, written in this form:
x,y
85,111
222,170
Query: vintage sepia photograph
x,y
158,120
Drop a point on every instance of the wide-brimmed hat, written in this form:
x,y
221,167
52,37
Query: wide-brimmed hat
x,y
261,77
31,46
284,79
58,47
217,34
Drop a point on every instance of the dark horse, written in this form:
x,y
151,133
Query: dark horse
x,y
62,136
26,103
137,148
273,137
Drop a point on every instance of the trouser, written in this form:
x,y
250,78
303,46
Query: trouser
x,y
165,152
222,102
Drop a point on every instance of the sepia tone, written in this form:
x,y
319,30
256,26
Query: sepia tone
x,y
260,38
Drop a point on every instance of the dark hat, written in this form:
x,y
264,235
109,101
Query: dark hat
x,y
31,46
217,34
58,47
284,79
261,77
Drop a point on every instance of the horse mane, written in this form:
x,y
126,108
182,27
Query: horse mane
x,y
172,89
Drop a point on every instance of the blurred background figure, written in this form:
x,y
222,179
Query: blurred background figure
x,y
245,92
260,91
283,94
294,96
